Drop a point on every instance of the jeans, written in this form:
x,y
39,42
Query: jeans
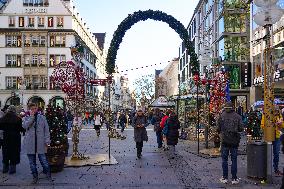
x,y
139,146
225,154
122,126
276,150
159,138
43,161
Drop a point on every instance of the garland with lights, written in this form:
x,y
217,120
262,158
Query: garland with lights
x,y
129,21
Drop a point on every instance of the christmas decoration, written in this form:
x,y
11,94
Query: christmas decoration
x,y
142,16
59,143
254,126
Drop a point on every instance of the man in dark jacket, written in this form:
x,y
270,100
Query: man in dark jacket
x,y
229,125
11,124
122,121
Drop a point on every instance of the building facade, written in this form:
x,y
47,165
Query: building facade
x,y
167,82
35,36
220,33
258,46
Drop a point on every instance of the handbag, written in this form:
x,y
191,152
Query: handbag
x,y
145,135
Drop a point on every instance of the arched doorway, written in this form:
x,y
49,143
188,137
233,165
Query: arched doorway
x,y
38,101
57,101
13,101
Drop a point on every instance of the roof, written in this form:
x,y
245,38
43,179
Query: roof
x,y
101,39
162,101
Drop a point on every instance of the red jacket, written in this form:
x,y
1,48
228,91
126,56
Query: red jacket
x,y
163,121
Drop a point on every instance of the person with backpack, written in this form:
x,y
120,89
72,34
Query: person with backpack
x,y
162,125
229,125
156,119
140,132
36,141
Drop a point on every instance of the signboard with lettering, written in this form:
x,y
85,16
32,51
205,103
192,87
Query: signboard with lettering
x,y
35,10
260,79
246,74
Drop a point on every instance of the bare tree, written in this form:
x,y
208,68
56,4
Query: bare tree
x,y
145,88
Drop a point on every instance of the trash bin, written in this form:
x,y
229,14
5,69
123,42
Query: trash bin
x,y
256,160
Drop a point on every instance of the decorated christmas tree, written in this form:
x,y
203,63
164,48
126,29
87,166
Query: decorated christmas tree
x,y
57,125
253,125
58,149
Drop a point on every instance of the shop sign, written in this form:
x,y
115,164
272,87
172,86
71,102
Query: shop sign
x,y
35,10
246,74
260,79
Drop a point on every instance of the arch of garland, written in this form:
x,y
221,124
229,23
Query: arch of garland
x,y
132,19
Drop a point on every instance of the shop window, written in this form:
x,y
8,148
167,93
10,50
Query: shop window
x,y
50,21
40,21
21,21
60,21
12,21
31,22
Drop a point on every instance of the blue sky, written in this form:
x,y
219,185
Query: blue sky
x,y
146,43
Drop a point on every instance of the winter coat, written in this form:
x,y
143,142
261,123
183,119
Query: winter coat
x,y
229,122
156,119
11,124
163,121
97,119
140,133
43,135
1,132
170,130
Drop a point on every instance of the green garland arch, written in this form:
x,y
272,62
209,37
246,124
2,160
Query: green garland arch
x,y
128,22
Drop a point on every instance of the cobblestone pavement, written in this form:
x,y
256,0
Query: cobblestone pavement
x,y
154,170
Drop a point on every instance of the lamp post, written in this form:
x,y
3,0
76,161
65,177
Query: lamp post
x,y
269,13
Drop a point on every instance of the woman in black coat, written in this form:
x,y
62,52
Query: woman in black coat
x,y
11,124
171,131
140,133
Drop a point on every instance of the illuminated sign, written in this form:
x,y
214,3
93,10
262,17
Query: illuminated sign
x,y
260,79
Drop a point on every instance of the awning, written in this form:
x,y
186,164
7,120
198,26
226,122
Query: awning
x,y
162,102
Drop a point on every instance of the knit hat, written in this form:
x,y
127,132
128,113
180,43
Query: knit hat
x,y
228,105
12,109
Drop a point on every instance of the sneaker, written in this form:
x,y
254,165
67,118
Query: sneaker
x,y
278,173
235,181
223,180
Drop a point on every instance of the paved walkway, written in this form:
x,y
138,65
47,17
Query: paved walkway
x,y
154,170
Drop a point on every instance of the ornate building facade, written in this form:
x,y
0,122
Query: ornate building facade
x,y
35,36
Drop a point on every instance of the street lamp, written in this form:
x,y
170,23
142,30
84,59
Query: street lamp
x,y
268,14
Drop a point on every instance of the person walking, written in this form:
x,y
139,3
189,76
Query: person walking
x,y
11,124
122,121
229,125
70,119
36,141
156,119
140,132
162,125
170,130
97,119
1,132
